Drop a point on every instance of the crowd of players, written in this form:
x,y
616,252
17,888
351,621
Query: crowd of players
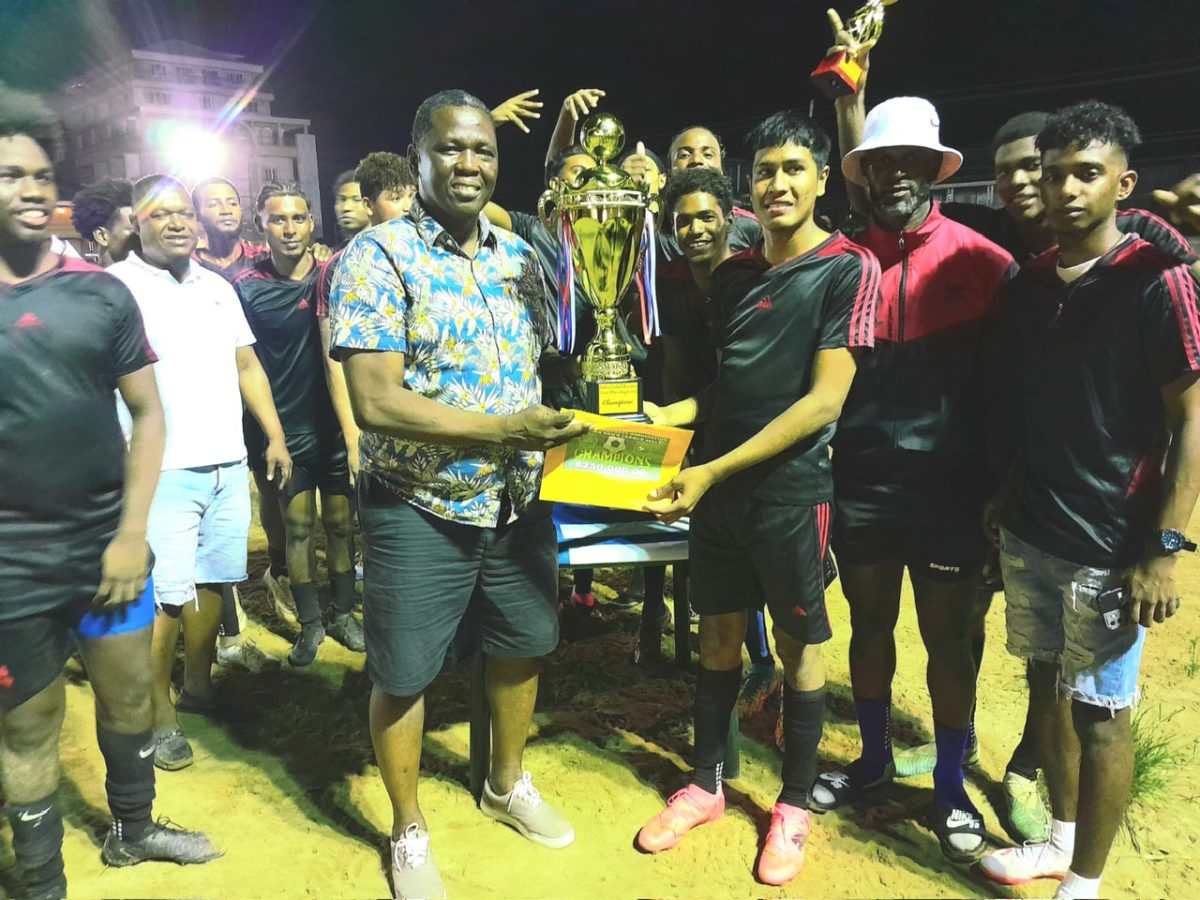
x,y
1009,396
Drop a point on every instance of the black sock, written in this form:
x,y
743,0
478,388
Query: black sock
x,y
129,761
341,586
583,581
655,580
756,639
229,617
37,830
716,696
308,602
278,559
1024,759
803,721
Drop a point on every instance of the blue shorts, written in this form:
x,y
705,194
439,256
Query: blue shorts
x,y
1052,617
98,623
198,528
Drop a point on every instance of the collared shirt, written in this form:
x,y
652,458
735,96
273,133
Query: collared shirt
x,y
471,330
195,327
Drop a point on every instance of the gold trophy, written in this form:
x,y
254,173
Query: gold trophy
x,y
606,244
838,73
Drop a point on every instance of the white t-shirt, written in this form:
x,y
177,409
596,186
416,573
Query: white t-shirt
x,y
195,328
1071,274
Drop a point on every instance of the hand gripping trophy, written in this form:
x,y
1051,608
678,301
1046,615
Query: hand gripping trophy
x,y
606,244
838,73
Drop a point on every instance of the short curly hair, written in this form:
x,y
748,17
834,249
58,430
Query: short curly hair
x,y
28,114
95,206
383,171
1087,123
699,180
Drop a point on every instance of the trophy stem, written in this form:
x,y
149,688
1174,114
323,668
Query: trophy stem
x,y
607,356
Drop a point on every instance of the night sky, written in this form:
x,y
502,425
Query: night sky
x,y
358,69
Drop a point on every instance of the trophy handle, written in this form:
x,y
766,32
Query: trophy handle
x,y
546,208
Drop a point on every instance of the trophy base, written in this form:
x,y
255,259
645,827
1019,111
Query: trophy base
x,y
837,76
618,398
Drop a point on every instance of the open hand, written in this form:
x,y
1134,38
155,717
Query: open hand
x,y
1182,204
582,102
540,428
679,496
516,109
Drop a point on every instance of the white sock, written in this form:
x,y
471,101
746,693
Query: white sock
x,y
1079,887
1062,837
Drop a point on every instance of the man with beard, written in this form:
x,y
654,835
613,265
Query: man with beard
x,y
907,451
1093,371
219,208
199,521
278,296
73,511
103,213
439,320
348,206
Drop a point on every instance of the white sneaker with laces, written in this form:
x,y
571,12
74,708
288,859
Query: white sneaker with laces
x,y
415,876
1018,865
524,809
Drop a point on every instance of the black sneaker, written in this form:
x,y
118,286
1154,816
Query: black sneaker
x,y
347,631
305,649
162,842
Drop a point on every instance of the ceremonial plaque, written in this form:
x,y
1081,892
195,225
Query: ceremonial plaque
x,y
606,246
838,74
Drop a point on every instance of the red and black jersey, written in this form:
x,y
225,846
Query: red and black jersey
x,y
746,232
998,227
66,337
912,422
250,254
1075,378
771,322
688,315
325,273
282,313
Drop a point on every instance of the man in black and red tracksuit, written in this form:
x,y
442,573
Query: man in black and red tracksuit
x,y
73,509
907,456
278,295
1093,375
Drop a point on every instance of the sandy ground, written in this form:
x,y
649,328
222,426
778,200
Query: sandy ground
x,y
288,787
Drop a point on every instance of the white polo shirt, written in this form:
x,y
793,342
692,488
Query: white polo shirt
x,y
195,327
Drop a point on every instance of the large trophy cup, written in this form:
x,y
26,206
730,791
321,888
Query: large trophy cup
x,y
838,74
606,245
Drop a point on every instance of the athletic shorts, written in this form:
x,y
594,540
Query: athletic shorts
x,y
744,552
422,573
940,538
1052,615
318,463
198,529
34,649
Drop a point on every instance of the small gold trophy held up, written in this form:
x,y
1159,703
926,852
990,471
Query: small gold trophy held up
x,y
839,74
606,244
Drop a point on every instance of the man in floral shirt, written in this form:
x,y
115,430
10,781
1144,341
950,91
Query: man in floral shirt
x,y
439,320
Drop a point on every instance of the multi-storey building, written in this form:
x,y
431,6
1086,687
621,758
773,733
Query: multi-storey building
x,y
180,109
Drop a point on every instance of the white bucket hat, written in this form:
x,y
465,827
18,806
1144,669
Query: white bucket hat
x,y
902,122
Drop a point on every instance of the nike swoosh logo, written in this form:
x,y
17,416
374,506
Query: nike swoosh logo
x,y
32,817
145,754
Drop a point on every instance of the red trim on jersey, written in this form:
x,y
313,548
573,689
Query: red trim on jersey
x,y
739,213
822,510
1162,223
1182,291
74,264
862,318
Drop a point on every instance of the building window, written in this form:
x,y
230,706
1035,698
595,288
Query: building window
x,y
206,102
252,106
163,98
211,77
158,70
270,173
235,77
184,74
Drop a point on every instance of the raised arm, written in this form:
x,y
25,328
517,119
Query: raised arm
x,y
517,109
574,109
851,109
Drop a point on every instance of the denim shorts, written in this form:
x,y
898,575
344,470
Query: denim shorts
x,y
1052,617
198,529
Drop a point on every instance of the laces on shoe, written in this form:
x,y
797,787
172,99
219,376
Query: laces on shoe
x,y
411,849
524,790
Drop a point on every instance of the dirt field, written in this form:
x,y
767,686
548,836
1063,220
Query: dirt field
x,y
288,787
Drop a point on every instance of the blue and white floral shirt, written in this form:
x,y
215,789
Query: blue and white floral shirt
x,y
471,330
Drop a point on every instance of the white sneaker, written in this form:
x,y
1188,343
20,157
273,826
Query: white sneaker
x,y
242,653
280,592
415,875
1018,865
524,809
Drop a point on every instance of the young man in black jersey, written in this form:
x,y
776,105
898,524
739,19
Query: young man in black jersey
x,y
103,212
348,206
278,296
219,209
792,315
73,553
1093,371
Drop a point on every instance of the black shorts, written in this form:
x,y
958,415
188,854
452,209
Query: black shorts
x,y
938,537
318,463
421,573
745,551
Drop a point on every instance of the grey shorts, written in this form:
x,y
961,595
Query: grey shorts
x,y
421,573
1052,617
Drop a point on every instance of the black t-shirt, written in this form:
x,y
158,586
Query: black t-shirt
x,y
283,316
998,227
688,315
771,322
745,233
251,253
1074,374
66,337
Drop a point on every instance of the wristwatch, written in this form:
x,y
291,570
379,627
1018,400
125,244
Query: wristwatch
x,y
1169,541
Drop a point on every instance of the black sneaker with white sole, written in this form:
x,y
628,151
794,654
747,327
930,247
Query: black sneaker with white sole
x,y
347,631
162,842
304,651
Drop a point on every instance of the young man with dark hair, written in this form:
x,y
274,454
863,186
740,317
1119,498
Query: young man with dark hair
x,y
792,314
278,296
906,456
387,185
218,205
348,206
439,320
103,213
1093,372
200,519
73,553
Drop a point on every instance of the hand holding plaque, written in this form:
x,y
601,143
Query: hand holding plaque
x,y
844,69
